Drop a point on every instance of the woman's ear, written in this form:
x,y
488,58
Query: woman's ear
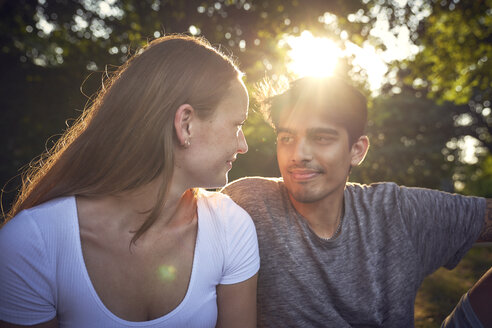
x,y
183,124
359,150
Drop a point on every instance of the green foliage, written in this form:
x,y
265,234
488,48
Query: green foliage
x,y
477,179
455,62
408,138
83,32
260,160
50,47
457,50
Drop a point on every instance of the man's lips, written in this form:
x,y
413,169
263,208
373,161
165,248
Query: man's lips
x,y
303,174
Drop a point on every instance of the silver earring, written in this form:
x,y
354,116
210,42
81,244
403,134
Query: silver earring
x,y
187,143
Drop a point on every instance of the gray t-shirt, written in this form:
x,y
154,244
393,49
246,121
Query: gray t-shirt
x,y
391,238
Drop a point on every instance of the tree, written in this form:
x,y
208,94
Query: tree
x,y
454,64
50,47
408,137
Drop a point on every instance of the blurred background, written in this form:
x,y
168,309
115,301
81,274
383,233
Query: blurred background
x,y
425,65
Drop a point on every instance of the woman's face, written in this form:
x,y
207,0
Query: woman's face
x,y
218,139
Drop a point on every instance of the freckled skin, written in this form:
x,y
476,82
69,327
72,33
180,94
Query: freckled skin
x,y
216,141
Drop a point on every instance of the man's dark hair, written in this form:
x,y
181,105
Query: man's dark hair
x,y
332,96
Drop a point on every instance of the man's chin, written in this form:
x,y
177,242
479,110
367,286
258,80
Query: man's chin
x,y
304,196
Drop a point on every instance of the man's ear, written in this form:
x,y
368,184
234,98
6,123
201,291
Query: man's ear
x,y
183,120
359,150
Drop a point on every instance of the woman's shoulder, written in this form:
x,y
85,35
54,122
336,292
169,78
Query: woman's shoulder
x,y
221,209
51,207
31,244
217,202
39,222
229,228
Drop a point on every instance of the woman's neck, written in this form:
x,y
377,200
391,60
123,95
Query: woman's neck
x,y
127,211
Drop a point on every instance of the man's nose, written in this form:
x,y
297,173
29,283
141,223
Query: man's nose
x,y
302,151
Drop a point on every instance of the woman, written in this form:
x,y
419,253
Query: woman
x,y
111,231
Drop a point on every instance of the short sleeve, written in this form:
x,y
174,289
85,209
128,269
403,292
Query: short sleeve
x,y
27,296
443,226
242,258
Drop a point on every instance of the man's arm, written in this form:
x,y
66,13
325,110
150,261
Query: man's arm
x,y
486,233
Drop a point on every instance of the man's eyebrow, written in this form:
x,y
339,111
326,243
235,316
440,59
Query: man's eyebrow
x,y
323,130
285,130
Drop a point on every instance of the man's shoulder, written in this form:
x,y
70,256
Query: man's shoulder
x,y
371,188
253,189
373,196
393,189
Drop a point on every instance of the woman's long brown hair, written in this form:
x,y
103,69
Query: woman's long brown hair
x,y
125,138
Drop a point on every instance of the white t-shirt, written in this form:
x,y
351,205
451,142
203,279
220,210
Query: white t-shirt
x,y
43,274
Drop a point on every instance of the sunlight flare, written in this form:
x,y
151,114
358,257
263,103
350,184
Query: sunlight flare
x,y
318,56
312,56
368,59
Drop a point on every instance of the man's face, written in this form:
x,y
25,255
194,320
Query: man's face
x,y
314,156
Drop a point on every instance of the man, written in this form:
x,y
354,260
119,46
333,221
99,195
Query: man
x,y
337,254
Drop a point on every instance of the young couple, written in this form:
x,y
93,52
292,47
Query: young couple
x,y
112,229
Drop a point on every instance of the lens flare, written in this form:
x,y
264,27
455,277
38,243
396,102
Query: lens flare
x,y
167,273
312,56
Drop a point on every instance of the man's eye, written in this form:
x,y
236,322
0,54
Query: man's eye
x,y
285,139
322,138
